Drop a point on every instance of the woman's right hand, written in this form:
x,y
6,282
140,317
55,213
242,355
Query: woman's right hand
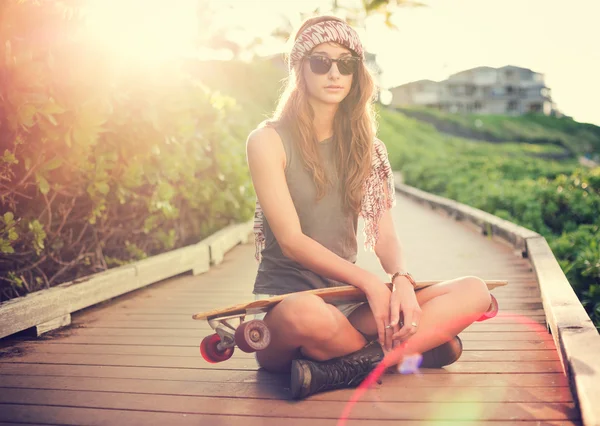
x,y
378,296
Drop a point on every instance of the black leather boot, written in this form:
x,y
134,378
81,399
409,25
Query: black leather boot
x,y
310,377
445,354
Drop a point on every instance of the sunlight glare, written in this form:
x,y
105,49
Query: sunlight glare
x,y
143,32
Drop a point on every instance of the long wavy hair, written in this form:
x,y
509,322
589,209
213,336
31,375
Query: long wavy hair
x,y
353,129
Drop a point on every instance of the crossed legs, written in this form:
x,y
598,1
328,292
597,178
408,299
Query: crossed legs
x,y
305,326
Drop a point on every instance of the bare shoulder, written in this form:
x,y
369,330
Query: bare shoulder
x,y
265,148
264,138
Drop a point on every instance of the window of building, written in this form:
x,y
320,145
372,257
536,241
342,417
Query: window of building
x,y
512,106
498,91
535,108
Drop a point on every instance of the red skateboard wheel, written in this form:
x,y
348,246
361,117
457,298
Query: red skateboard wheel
x,y
492,310
211,353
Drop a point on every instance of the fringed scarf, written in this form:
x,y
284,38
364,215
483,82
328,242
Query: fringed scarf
x,y
378,197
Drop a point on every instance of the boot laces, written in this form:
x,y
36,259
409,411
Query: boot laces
x,y
346,372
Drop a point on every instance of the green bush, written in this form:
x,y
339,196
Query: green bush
x,y
102,165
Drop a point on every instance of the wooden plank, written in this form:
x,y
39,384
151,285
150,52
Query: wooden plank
x,y
177,351
435,378
574,333
42,306
309,409
195,341
485,326
182,316
539,334
166,350
250,364
149,321
241,362
389,391
75,415
59,322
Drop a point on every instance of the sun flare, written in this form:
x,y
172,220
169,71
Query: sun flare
x,y
143,32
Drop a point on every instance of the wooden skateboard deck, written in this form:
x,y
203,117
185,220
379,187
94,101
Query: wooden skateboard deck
x,y
341,294
250,336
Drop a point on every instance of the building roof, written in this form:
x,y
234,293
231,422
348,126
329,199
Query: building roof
x,y
412,83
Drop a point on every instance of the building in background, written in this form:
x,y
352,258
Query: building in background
x,y
483,90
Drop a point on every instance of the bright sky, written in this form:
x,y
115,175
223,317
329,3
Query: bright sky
x,y
555,37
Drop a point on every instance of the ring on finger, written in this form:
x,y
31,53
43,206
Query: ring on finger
x,y
388,326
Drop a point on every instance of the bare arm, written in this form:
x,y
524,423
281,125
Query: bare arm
x,y
388,248
403,301
266,160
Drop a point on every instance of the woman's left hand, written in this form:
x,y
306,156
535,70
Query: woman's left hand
x,y
404,303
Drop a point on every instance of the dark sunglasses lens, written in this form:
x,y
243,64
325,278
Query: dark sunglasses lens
x,y
319,65
347,66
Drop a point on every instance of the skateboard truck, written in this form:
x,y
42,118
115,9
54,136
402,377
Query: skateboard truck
x,y
226,331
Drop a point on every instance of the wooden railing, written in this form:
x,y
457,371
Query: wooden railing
x,y
50,309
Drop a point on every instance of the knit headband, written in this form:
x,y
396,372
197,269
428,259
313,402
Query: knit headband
x,y
323,32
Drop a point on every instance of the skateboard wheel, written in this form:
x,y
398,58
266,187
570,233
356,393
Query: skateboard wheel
x,y
492,310
252,336
210,351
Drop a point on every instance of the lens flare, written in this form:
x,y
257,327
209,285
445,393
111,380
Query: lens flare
x,y
464,404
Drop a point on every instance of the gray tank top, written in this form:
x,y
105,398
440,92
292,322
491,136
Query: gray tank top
x,y
323,221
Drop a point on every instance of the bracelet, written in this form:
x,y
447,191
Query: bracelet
x,y
404,274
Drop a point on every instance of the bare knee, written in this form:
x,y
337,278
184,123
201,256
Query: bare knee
x,y
474,291
306,316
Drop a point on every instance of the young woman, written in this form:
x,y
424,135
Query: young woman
x,y
316,166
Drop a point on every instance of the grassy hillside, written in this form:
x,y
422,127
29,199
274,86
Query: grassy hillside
x,y
558,199
575,138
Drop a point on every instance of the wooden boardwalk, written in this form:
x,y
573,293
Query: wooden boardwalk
x,y
135,360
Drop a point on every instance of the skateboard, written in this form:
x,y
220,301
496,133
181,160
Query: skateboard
x,y
232,330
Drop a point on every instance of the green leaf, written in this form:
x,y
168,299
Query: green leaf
x,y
6,247
9,218
42,183
13,235
26,114
55,163
102,187
9,157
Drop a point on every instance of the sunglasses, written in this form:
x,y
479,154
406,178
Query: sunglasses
x,y
322,64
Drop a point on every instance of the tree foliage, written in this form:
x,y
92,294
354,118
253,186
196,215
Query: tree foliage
x,y
101,165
